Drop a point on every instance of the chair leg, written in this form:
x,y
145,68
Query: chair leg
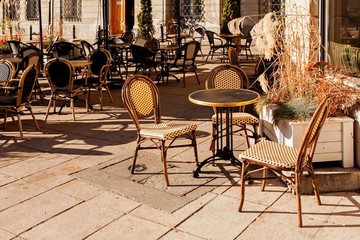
x,y
48,109
101,98
246,135
72,106
244,167
298,196
193,142
109,93
263,184
197,78
163,159
33,116
20,125
314,185
213,137
135,155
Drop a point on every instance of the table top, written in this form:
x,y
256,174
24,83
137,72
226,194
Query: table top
x,y
182,35
228,35
168,47
118,45
81,63
224,97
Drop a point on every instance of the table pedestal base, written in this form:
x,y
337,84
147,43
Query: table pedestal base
x,y
221,154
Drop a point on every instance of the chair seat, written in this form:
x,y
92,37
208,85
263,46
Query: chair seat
x,y
8,100
239,118
167,130
272,153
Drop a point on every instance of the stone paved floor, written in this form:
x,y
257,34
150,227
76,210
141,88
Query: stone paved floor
x,y
44,196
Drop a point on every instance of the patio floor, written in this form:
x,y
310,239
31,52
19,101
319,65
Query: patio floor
x,y
70,180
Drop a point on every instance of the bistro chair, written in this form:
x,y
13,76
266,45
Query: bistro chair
x,y
128,37
60,74
277,158
7,71
100,67
231,77
216,43
199,35
67,50
49,51
86,47
252,69
186,62
33,58
141,98
15,47
14,104
144,59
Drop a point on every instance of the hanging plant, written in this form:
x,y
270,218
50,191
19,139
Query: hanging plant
x,y
145,19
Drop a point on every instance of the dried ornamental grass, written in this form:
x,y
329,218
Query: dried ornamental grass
x,y
292,43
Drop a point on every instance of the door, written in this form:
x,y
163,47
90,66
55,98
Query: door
x,y
117,16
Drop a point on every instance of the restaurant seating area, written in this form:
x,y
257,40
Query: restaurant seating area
x,y
104,135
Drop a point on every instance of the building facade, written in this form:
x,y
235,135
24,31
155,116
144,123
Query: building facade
x,y
339,19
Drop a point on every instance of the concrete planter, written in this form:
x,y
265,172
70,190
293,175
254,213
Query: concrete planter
x,y
336,141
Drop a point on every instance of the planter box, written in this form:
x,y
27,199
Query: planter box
x,y
336,140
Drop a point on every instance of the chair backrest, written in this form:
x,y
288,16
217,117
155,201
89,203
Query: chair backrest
x,y
26,84
191,50
201,31
308,143
141,98
60,74
233,56
128,37
15,47
227,77
140,41
87,47
7,71
32,57
26,51
210,37
153,44
141,54
49,49
99,58
67,50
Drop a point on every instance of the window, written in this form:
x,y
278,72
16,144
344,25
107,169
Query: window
x,y
72,10
32,10
13,10
192,9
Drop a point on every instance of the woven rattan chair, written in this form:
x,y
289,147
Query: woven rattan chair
x,y
215,43
141,98
14,104
7,71
60,75
279,158
185,62
231,77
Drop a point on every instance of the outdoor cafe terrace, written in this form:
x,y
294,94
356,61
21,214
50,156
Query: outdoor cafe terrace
x,y
71,179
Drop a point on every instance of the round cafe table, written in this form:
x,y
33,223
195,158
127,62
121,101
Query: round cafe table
x,y
224,100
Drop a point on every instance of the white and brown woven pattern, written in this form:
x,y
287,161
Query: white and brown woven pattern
x,y
167,130
228,79
239,118
142,97
272,153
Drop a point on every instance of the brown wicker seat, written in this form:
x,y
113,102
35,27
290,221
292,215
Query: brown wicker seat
x,y
231,77
14,104
141,98
278,158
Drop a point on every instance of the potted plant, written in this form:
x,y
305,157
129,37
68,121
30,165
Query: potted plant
x,y
231,10
298,82
145,19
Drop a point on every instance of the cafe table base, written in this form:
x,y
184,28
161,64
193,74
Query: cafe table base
x,y
224,142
